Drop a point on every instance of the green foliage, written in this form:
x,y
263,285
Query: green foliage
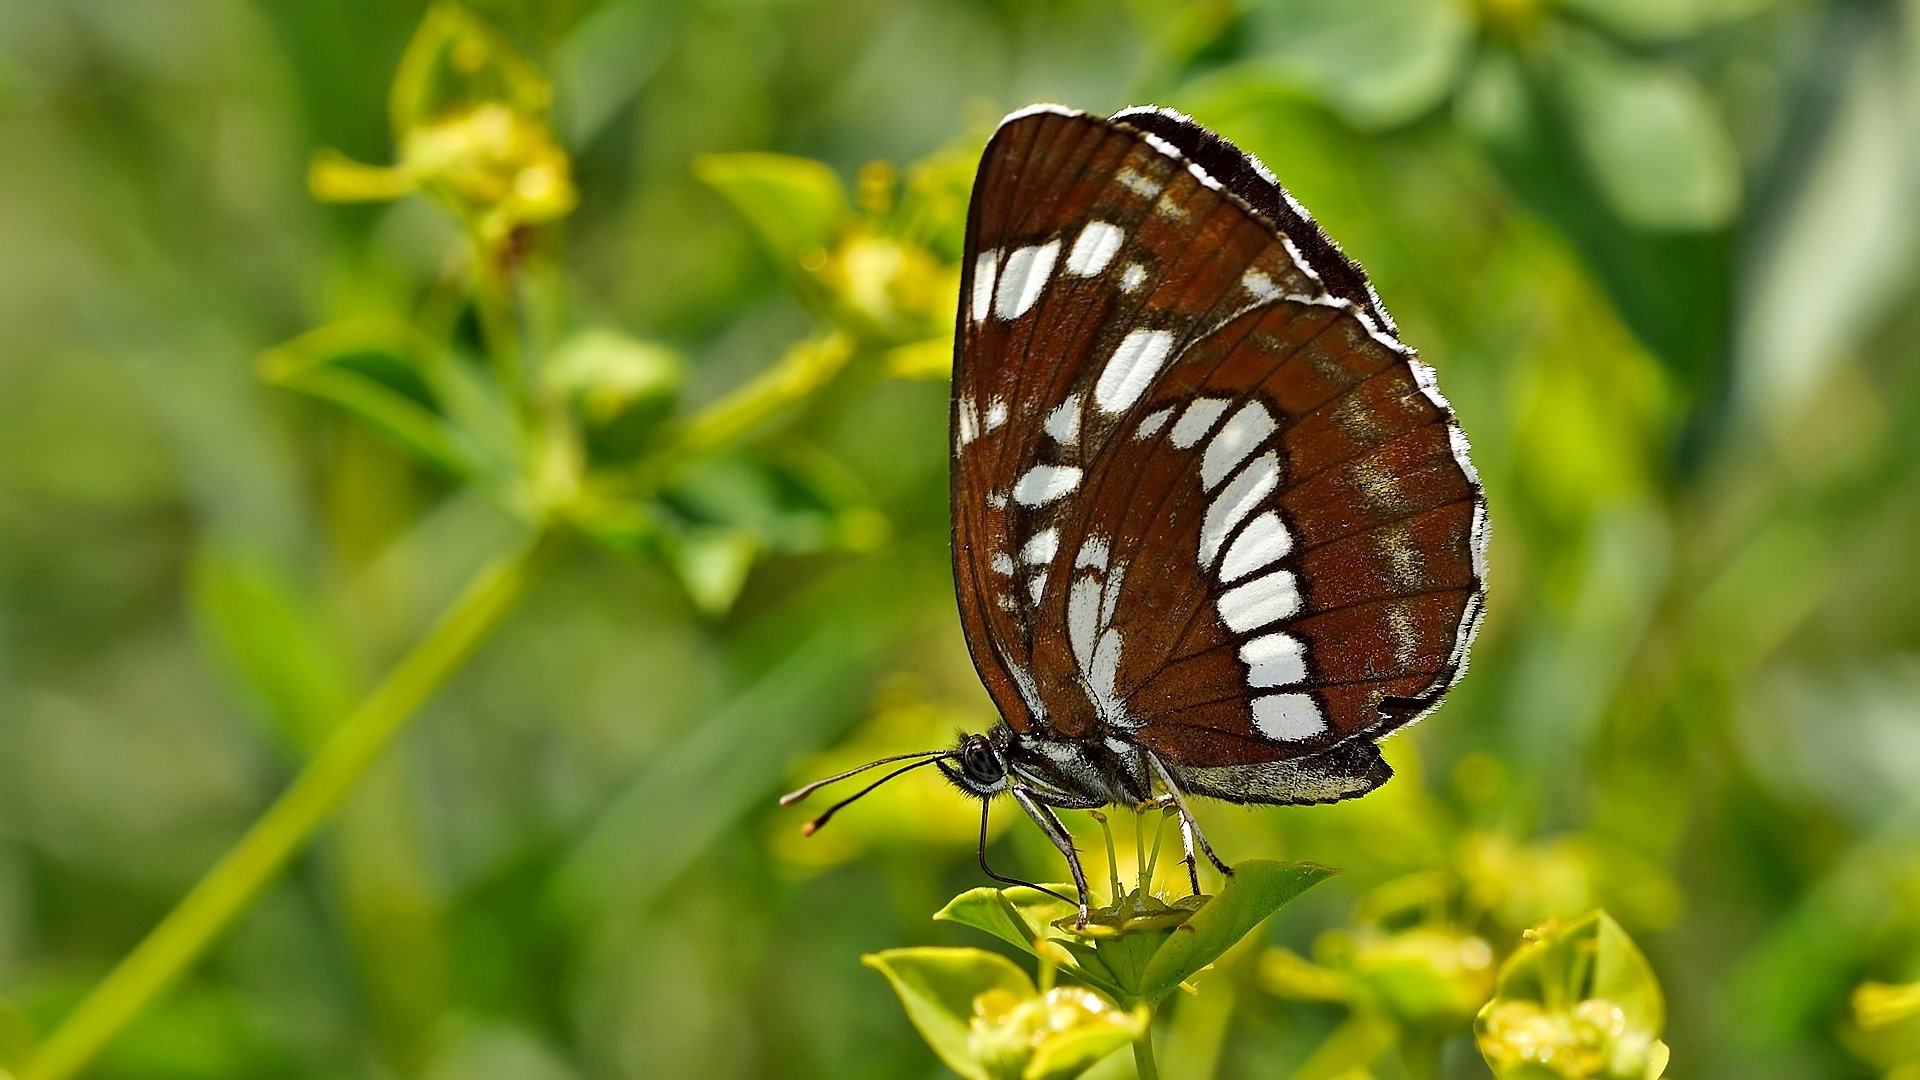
x,y
985,1019
1141,948
677,465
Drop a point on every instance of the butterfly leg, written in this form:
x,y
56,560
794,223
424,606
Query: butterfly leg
x,y
1190,834
1187,833
1186,850
1049,823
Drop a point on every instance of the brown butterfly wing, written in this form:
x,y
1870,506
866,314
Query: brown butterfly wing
x,y
1200,501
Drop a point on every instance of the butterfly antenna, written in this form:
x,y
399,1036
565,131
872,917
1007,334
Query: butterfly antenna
x,y
985,805
813,826
792,797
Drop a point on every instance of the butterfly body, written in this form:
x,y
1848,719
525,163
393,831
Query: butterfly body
x,y
1215,528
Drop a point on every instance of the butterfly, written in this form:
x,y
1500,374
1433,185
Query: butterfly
x,y
1215,528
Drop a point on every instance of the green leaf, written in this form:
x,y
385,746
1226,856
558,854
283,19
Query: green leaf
x,y
938,986
1378,63
1129,957
370,368
1024,918
795,204
1257,889
988,909
712,564
800,502
1651,137
620,388
1086,963
725,512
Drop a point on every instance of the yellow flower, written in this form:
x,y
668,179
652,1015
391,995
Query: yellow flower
x,y
469,116
1026,1038
1878,1005
1577,1001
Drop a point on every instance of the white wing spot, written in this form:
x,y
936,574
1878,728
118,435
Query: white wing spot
x,y
1265,540
1261,286
1237,438
1083,618
1201,415
1152,423
997,500
1040,548
1025,275
984,268
1096,247
1037,587
1063,423
1110,600
969,421
1131,369
1132,277
1092,553
1139,183
1096,645
1264,600
1103,677
1288,717
1276,659
1023,679
996,413
1235,502
1043,484
1002,563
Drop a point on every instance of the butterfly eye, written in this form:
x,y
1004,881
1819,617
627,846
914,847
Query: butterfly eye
x,y
981,761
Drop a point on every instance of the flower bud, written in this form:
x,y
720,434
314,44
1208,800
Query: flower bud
x,y
1578,1001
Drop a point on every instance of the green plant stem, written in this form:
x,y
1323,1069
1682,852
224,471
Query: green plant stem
x,y
1143,1054
257,858
806,367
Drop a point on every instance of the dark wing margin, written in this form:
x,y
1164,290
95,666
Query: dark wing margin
x,y
1246,176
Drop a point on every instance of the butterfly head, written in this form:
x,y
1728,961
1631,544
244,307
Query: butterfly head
x,y
978,766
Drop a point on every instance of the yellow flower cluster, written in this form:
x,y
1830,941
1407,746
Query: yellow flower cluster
x,y
469,117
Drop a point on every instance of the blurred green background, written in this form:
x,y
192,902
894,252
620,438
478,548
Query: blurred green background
x,y
1662,252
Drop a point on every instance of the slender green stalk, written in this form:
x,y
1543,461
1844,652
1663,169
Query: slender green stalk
x,y
257,858
1113,857
806,367
1143,1054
